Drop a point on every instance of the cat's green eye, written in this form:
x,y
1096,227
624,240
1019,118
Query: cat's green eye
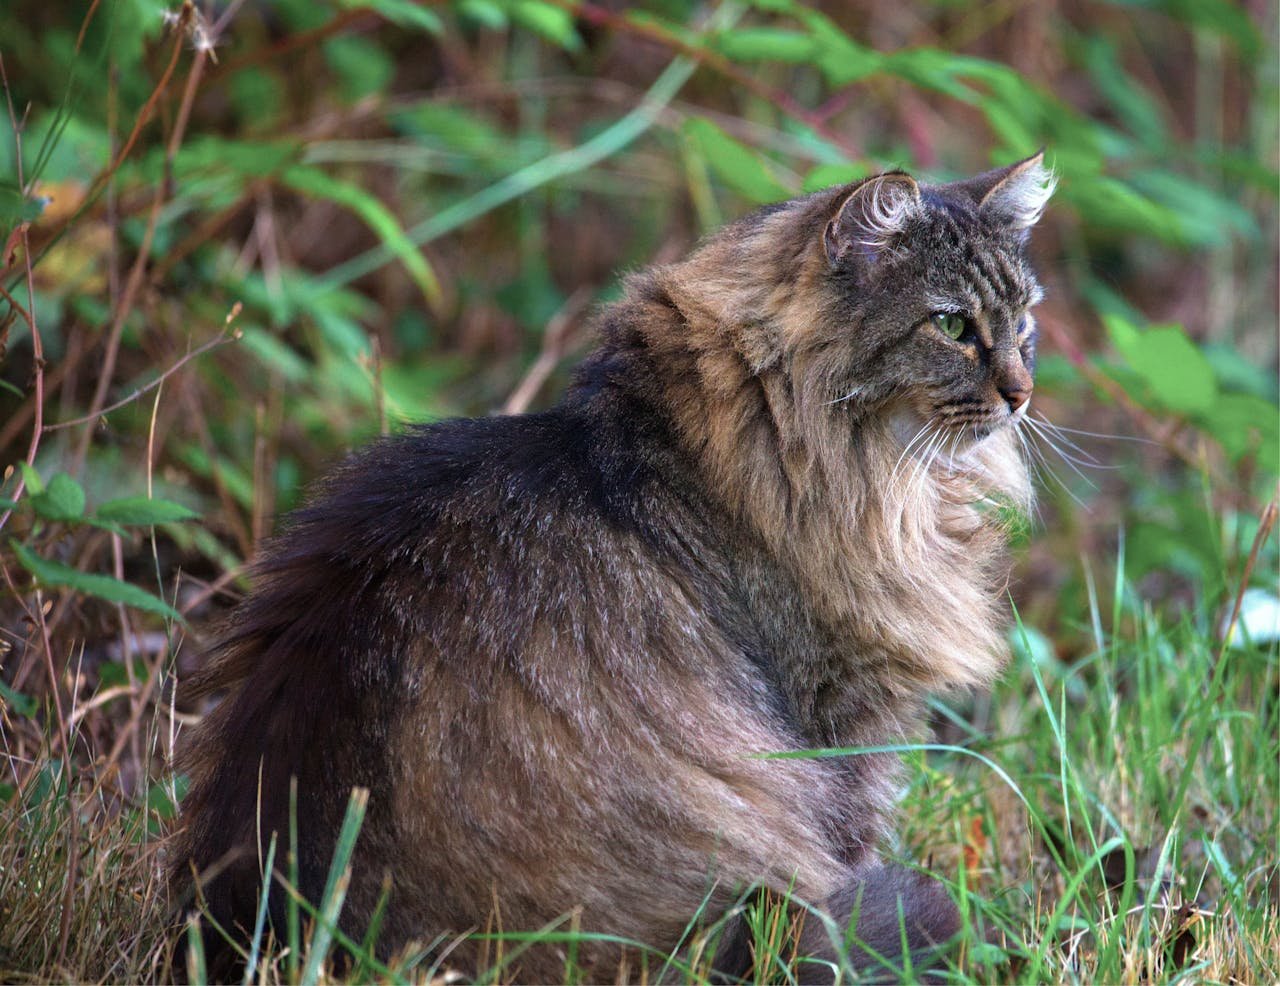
x,y
951,324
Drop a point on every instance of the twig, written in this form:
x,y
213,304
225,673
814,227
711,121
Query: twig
x,y
84,24
292,42
555,342
17,306
53,381
221,339
1265,523
211,589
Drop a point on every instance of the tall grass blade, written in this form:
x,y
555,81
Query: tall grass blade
x,y
260,922
336,884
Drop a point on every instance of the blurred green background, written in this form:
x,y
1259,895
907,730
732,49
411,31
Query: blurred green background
x,y
312,221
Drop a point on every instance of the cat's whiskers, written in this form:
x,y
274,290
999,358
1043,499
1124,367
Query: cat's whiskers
x,y
1095,434
1073,461
1032,461
1041,463
893,475
921,471
955,454
1047,427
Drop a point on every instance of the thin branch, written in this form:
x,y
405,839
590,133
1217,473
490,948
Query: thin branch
x,y
221,339
555,343
1265,523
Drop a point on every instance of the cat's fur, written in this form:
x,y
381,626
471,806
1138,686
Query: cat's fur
x,y
551,646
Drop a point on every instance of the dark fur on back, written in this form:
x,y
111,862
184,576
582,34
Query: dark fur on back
x,y
551,646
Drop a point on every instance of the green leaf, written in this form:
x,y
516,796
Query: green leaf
x,y
1110,203
15,208
62,500
1206,217
163,797
275,354
257,94
552,22
53,573
1236,372
467,131
23,705
114,673
841,59
1177,373
737,165
1132,104
1242,423
486,13
141,511
32,478
363,66
767,44
826,175
318,184
252,159
405,13
238,482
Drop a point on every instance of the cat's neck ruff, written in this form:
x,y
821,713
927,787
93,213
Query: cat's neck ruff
x,y
900,549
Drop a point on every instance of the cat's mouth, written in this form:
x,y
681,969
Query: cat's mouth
x,y
978,423
946,432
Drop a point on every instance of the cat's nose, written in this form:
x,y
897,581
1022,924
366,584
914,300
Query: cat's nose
x,y
1015,398
1011,377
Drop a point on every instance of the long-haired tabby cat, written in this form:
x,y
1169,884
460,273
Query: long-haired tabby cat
x,y
553,646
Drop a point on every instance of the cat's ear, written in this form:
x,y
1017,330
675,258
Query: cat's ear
x,y
1016,194
872,216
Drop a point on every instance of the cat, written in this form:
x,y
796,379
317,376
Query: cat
x,y
553,646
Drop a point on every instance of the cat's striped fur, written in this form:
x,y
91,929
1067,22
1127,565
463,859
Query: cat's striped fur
x,y
552,646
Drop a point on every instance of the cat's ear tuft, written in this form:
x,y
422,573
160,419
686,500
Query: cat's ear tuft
x,y
1016,194
872,216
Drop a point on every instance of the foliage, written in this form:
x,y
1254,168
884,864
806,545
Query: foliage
x,y
242,238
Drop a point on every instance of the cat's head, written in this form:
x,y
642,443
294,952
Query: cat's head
x,y
928,297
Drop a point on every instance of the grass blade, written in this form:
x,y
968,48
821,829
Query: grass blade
x,y
336,884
